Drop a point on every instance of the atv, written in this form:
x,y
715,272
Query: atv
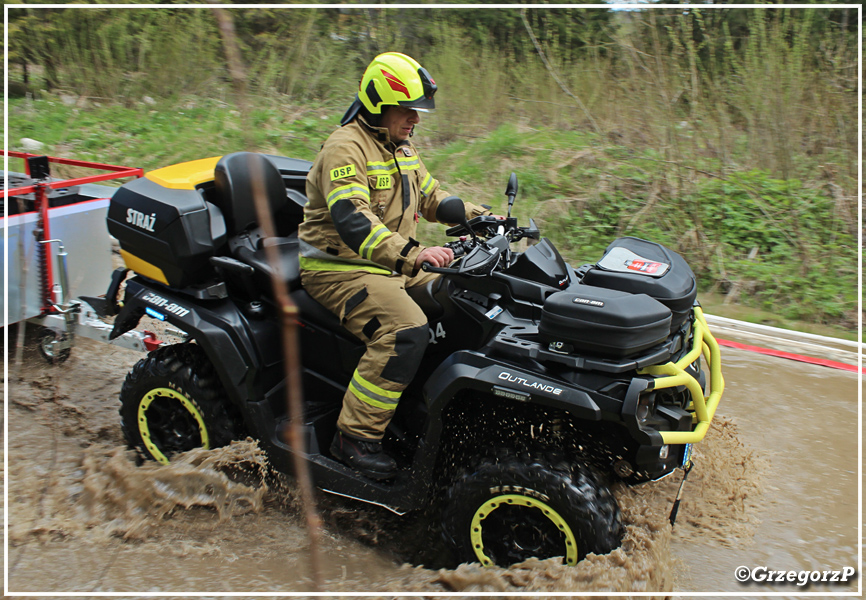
x,y
541,384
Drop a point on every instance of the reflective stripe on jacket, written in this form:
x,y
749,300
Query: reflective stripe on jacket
x,y
364,192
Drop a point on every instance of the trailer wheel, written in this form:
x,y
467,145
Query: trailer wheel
x,y
172,402
507,509
52,345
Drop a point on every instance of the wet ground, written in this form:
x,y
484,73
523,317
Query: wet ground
x,y
775,485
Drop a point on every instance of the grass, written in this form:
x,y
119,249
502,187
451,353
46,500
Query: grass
x,y
717,304
150,135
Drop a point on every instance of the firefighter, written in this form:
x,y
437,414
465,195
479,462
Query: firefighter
x,y
366,190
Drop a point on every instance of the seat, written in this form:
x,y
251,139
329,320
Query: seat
x,y
237,178
288,266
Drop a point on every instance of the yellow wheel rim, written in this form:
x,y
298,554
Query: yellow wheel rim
x,y
187,404
484,511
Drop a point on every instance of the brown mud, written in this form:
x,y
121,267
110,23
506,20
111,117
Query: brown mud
x,y
84,517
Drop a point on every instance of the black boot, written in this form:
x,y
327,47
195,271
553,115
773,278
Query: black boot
x,y
365,456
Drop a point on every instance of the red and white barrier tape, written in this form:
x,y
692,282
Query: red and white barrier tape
x,y
790,355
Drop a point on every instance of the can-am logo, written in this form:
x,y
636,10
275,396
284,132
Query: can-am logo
x,y
542,387
165,305
141,220
588,302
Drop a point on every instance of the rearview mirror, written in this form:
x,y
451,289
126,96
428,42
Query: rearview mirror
x,y
511,188
451,211
511,191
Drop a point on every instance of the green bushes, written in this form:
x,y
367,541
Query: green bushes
x,y
767,243
779,245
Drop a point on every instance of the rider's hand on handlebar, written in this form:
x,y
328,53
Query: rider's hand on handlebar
x,y
436,256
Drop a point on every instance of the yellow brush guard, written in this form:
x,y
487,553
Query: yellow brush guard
x,y
673,374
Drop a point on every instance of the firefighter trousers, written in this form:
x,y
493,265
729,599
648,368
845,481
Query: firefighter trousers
x,y
377,310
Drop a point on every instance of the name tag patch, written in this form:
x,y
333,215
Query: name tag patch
x,y
341,172
383,182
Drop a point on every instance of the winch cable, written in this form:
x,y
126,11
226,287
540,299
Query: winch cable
x,y
676,507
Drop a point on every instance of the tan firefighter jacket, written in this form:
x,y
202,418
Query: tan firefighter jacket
x,y
364,193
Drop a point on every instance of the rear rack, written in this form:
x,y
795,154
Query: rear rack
x,y
117,172
669,375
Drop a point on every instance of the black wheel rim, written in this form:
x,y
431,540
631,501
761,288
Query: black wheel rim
x,y
510,529
170,423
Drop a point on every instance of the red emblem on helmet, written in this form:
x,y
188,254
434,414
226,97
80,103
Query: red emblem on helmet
x,y
395,83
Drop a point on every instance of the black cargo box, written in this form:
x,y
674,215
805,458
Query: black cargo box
x,y
641,267
165,234
587,319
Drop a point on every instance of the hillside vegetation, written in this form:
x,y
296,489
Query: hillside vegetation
x,y
729,135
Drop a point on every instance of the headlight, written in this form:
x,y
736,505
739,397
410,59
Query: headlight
x,y
645,407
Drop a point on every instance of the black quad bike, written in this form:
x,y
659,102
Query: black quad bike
x,y
540,385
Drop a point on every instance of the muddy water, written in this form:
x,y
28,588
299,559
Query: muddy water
x,y
774,484
801,424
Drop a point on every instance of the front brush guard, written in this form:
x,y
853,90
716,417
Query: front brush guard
x,y
669,375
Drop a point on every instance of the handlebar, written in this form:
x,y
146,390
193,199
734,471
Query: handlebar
x,y
491,236
426,266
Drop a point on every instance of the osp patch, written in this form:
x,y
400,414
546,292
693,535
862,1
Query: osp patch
x,y
342,172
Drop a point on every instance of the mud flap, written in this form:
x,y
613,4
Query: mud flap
x,y
126,320
108,306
